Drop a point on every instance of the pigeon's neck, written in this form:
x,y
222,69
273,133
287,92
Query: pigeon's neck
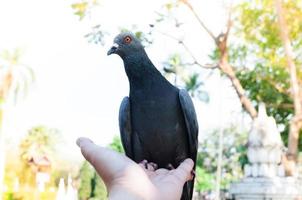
x,y
140,70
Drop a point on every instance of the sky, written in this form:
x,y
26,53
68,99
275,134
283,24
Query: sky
x,y
78,88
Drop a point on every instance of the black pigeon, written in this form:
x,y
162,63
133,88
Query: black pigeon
x,y
157,121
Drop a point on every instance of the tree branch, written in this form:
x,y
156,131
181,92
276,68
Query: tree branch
x,y
245,101
296,121
207,66
186,2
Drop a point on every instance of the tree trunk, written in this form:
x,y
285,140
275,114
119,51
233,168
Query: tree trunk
x,y
5,87
244,100
229,71
221,42
295,123
2,156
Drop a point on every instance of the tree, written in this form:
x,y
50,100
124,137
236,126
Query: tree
x,y
91,185
266,61
296,121
223,64
99,189
251,53
116,145
40,142
233,158
221,61
15,78
86,175
256,36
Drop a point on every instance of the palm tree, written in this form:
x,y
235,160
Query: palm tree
x,y
15,79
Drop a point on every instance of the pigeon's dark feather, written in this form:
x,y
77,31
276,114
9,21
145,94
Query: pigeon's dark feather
x,y
192,129
191,120
157,122
125,126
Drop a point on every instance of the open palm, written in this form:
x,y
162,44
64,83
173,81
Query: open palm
x,y
169,183
126,179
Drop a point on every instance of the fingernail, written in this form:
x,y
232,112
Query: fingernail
x,y
81,140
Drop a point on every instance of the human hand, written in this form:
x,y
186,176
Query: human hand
x,y
125,179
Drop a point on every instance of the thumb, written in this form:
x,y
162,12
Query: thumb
x,y
99,157
106,162
89,150
183,171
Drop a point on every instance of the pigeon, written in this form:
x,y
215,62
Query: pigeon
x,y
157,121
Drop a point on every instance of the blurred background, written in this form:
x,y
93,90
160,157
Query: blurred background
x,y
57,84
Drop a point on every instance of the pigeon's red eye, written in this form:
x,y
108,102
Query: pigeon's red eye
x,y
127,39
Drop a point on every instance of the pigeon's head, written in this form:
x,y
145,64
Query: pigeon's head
x,y
125,44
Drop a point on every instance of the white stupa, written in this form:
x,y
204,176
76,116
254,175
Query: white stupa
x,y
61,190
264,174
71,193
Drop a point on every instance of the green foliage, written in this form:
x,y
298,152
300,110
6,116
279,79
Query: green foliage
x,y
91,185
83,8
259,49
17,77
205,180
39,142
257,34
116,145
80,9
184,76
9,196
86,175
233,156
96,35
99,190
271,86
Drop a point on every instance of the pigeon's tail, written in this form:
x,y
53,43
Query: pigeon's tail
x,y
187,191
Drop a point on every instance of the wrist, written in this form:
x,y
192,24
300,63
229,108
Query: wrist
x,y
122,193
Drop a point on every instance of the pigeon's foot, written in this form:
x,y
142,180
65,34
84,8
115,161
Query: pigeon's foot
x,y
170,166
148,165
193,173
154,165
144,164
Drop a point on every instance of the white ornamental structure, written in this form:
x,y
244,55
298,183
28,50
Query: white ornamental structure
x,y
69,194
264,173
264,148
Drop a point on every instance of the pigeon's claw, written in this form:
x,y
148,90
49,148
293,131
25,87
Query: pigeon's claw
x,y
193,173
151,166
154,165
144,164
170,166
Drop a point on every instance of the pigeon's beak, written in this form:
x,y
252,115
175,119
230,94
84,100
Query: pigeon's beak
x,y
113,49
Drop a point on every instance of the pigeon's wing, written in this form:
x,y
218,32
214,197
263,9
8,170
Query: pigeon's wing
x,y
125,126
192,129
190,120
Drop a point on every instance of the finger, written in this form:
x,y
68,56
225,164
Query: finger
x,y
106,162
154,165
183,171
193,173
170,166
88,149
150,167
162,171
143,164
